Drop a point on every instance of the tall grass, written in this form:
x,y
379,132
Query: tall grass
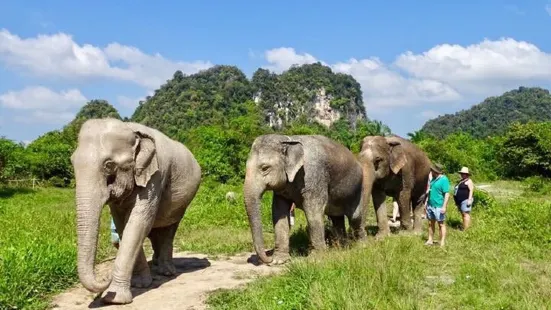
x,y
501,263
38,245
38,238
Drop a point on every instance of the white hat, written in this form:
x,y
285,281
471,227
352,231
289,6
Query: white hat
x,y
464,170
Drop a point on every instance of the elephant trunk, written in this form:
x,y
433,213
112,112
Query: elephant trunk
x,y
88,220
253,195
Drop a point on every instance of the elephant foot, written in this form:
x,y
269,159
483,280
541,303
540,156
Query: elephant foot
x,y
166,268
142,280
117,295
279,259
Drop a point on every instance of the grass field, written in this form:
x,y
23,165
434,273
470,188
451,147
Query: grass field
x,y
501,263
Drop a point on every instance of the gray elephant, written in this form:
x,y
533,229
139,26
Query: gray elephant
x,y
148,180
398,168
319,175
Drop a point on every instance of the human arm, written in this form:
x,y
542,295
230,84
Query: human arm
x,y
445,205
470,185
446,191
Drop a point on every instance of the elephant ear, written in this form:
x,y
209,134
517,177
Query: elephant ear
x,y
398,158
145,156
294,158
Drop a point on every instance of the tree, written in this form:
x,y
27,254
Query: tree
x,y
526,150
494,115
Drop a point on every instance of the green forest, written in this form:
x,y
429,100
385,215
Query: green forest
x,y
218,112
495,115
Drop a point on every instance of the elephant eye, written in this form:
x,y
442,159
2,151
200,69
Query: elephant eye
x,y
110,166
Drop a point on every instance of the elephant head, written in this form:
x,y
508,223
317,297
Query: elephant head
x,y
385,153
111,160
274,161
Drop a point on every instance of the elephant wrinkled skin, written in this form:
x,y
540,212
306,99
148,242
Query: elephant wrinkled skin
x,y
400,169
316,173
148,180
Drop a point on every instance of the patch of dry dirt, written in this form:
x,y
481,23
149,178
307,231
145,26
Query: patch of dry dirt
x,y
197,276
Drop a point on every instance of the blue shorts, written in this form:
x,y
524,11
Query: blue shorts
x,y
463,207
435,214
114,234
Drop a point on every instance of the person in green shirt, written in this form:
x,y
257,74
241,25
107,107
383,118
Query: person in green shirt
x,y
437,203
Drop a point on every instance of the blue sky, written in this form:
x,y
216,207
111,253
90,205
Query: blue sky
x,y
414,59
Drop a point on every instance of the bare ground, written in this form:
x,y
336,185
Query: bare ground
x,y
197,276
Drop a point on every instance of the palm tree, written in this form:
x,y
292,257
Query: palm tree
x,y
377,128
417,136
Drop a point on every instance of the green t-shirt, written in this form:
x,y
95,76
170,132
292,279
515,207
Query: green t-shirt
x,y
438,188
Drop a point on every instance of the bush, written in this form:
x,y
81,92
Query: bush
x,y
483,199
461,149
526,150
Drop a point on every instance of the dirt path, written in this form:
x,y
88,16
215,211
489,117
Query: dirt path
x,y
197,275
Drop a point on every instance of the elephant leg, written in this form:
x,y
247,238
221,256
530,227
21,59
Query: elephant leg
x,y
280,220
141,275
357,220
380,213
404,204
417,217
314,206
162,239
339,230
140,221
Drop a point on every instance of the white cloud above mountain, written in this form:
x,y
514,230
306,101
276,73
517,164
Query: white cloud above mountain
x,y
444,73
58,55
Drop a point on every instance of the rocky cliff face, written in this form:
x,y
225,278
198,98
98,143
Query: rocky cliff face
x,y
324,113
312,92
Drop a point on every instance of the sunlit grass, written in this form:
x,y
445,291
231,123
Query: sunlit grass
x,y
502,262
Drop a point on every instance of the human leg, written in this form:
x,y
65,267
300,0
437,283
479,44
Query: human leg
x,y
466,214
442,226
432,221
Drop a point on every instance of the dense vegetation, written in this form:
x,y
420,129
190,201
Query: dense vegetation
x,y
217,113
495,114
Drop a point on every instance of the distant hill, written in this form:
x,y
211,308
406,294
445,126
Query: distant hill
x,y
495,114
96,108
310,92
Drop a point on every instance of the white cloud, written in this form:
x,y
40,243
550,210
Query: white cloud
x,y
283,58
548,9
383,88
443,74
489,66
42,98
46,105
60,56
